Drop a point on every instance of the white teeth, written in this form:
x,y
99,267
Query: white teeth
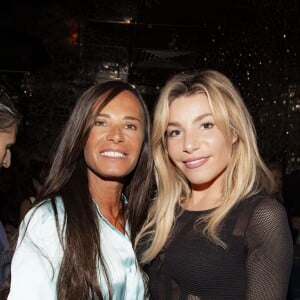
x,y
112,154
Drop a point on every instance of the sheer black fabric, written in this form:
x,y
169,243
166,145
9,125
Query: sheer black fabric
x,y
256,264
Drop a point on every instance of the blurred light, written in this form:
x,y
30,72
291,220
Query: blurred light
x,y
128,20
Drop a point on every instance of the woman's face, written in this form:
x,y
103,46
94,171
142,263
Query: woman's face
x,y
277,176
115,140
7,139
195,144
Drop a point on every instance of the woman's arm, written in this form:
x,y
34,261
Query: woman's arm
x,y
270,252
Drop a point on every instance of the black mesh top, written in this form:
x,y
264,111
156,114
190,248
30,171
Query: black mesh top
x,y
256,264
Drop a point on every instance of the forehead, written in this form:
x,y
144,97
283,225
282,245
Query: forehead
x,y
8,135
124,103
190,103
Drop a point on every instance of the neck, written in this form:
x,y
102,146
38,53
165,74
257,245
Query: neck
x,y
199,201
107,196
106,193
203,198
206,195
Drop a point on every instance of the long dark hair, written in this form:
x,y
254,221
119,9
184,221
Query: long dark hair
x,y
67,177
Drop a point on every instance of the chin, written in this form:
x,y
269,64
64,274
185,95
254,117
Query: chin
x,y
115,176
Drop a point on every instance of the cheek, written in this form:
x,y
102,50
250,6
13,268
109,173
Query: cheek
x,y
92,139
170,150
88,149
226,153
222,150
86,154
93,136
174,155
3,153
138,144
135,137
220,143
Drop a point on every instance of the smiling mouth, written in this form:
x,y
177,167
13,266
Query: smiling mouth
x,y
195,163
113,154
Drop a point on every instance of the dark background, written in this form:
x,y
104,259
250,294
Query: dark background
x,y
53,50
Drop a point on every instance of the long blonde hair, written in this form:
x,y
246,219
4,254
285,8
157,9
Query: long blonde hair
x,y
246,173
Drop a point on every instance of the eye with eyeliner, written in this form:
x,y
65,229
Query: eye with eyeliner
x,y
100,123
173,133
131,126
207,125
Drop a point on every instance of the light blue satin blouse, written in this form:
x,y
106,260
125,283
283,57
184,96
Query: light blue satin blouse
x,y
37,259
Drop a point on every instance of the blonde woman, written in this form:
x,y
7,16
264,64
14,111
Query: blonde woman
x,y
213,231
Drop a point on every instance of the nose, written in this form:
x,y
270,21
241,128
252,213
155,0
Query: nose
x,y
191,142
115,135
7,159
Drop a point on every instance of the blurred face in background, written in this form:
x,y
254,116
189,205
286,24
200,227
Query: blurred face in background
x,y
7,139
277,176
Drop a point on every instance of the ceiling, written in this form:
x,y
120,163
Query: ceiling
x,y
51,50
144,41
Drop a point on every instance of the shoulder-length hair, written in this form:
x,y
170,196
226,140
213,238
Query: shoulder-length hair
x,y
245,175
68,178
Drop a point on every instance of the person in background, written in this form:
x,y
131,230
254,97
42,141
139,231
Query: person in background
x,y
213,230
76,242
9,121
38,172
291,195
276,170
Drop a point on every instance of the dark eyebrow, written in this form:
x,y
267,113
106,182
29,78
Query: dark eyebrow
x,y
132,118
173,124
125,117
197,119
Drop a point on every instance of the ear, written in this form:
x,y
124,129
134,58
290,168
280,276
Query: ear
x,y
235,137
7,159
